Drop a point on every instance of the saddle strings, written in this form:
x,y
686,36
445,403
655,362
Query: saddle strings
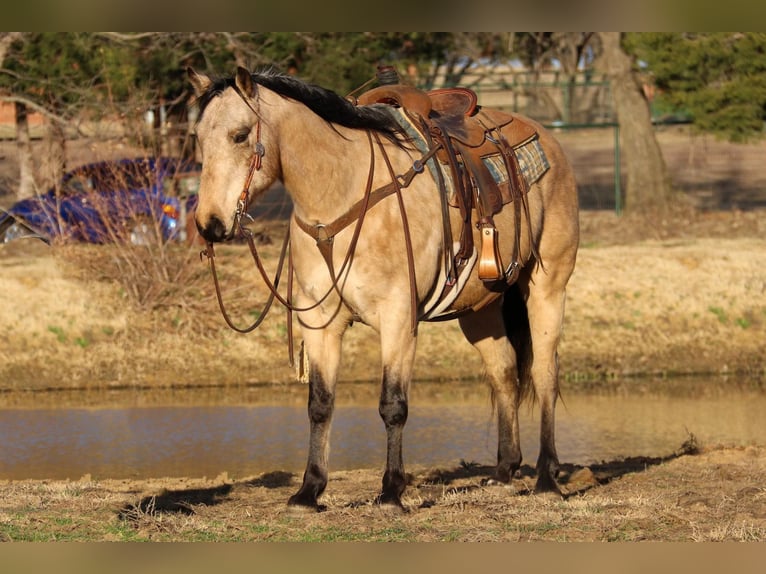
x,y
255,165
242,231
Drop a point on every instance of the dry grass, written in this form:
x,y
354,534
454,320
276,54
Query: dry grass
x,y
650,307
711,496
644,307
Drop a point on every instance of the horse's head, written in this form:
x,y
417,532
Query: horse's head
x,y
235,151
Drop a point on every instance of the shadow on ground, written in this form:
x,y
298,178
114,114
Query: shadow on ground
x,y
183,501
573,479
431,486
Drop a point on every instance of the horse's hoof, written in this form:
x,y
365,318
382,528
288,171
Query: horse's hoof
x,y
547,488
390,504
299,505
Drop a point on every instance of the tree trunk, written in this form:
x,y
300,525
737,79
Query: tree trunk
x,y
647,187
27,187
6,39
55,157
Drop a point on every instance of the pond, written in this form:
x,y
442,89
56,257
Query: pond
x,y
244,432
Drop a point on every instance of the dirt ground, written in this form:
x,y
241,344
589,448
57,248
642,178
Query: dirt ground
x,y
677,296
716,494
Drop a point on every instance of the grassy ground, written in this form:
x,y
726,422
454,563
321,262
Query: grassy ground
x,y
713,495
689,300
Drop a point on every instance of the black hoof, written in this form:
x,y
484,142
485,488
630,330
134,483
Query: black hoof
x,y
304,504
546,484
391,502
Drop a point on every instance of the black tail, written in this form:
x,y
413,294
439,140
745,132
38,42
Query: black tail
x,y
517,327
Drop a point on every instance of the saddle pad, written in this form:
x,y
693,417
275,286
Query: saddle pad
x,y
530,154
532,162
413,131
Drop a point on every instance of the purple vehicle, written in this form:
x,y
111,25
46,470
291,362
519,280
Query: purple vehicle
x,y
138,200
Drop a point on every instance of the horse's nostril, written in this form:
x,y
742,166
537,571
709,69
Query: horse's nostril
x,y
214,231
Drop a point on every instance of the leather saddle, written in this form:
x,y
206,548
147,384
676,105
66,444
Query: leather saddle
x,y
466,135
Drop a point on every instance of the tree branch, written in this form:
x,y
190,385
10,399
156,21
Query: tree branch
x,y
121,37
39,109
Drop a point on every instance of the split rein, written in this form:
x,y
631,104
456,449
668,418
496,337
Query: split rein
x,y
247,234
323,235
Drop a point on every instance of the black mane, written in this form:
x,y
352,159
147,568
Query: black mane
x,y
323,102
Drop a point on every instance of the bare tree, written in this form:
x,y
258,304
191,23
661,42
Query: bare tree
x,y
34,83
26,187
569,49
648,186
6,39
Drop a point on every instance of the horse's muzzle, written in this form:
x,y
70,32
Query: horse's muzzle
x,y
214,231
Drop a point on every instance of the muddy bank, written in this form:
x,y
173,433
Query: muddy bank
x,y
714,494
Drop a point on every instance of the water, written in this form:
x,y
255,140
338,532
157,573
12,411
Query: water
x,y
192,433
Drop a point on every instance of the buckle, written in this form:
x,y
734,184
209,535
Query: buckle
x,y
320,233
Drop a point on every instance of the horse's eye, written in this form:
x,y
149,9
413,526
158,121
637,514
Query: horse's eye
x,y
241,136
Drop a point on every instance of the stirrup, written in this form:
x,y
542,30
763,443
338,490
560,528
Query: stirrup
x,y
490,263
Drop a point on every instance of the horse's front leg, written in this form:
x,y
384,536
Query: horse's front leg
x,y
322,347
398,354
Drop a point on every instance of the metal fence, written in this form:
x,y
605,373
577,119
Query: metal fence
x,y
579,110
715,174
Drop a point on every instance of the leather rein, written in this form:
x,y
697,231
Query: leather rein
x,y
323,234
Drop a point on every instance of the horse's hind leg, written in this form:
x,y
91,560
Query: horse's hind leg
x,y
322,347
485,330
545,307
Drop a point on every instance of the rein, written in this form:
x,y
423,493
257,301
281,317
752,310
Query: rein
x,y
323,234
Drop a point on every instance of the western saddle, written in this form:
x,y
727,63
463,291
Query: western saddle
x,y
464,135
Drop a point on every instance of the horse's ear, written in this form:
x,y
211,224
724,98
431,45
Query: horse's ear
x,y
244,81
200,81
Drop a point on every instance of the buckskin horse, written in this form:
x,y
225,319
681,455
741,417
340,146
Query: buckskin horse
x,y
408,206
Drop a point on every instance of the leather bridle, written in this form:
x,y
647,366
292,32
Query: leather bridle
x,y
323,234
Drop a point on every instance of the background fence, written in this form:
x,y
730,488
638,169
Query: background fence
x,y
716,174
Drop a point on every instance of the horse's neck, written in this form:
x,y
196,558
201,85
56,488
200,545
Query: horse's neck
x,y
324,172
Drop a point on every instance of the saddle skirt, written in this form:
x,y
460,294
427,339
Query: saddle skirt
x,y
485,159
532,160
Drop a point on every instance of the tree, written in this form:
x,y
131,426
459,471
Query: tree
x,y
719,79
50,73
538,50
648,186
344,61
26,187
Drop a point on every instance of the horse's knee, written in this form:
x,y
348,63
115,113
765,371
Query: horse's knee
x,y
393,407
393,410
321,404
